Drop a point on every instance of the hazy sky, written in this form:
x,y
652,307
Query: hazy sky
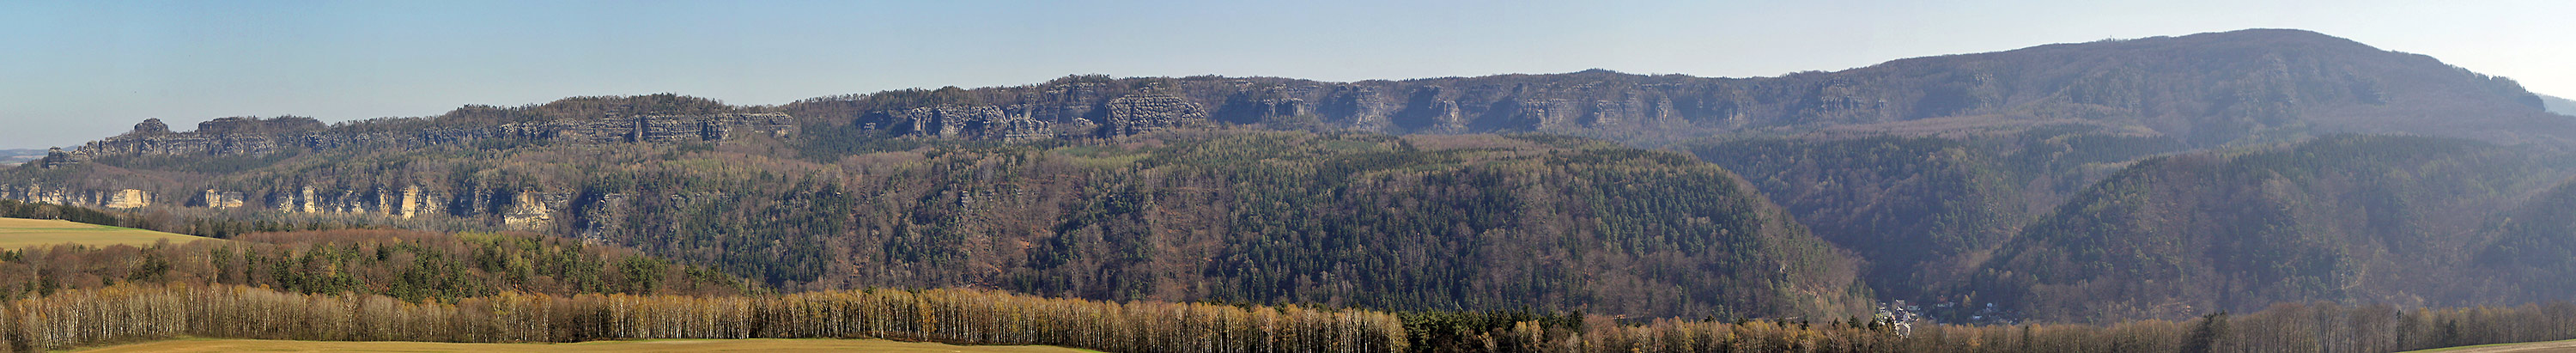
x,y
76,71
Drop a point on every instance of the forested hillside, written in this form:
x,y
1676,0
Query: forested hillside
x,y
408,265
2535,244
1425,222
2158,177
2381,219
1924,211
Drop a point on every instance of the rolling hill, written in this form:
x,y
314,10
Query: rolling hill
x,y
2379,219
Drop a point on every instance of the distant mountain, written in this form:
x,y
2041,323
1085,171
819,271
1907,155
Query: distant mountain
x,y
13,157
2562,106
2241,88
2245,87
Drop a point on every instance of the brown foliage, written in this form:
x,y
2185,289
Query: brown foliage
x,y
127,313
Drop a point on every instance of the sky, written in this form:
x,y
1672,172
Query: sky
x,y
75,71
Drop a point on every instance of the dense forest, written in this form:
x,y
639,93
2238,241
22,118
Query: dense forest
x,y
1925,210
407,265
1425,222
2381,219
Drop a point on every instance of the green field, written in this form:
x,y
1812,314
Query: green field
x,y
19,233
745,345
2565,346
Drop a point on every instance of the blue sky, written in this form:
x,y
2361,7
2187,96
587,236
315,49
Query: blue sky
x,y
75,71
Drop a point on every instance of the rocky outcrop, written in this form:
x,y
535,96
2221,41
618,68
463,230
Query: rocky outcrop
x,y
533,210
151,126
536,210
253,136
972,122
33,192
1144,113
945,120
56,158
1057,115
129,198
654,128
1016,129
218,199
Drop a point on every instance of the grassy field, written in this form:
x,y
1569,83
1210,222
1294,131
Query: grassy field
x,y
749,345
18,233
2567,346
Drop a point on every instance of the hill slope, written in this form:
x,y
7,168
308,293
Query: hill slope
x,y
1287,217
2373,219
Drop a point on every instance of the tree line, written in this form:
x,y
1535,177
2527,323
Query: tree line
x,y
215,223
140,312
407,265
2289,327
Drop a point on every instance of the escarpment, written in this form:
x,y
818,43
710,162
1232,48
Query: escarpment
x,y
254,136
2207,90
152,145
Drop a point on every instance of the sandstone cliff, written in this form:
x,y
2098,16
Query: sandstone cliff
x,y
253,136
2215,89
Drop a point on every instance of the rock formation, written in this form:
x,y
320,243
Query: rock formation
x,y
1143,113
252,136
56,158
129,198
33,192
219,199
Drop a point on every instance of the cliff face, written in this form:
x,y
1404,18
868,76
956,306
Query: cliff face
x,y
515,206
115,198
254,136
526,208
2234,88
1055,112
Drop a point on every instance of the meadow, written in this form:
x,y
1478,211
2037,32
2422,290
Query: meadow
x,y
20,233
741,345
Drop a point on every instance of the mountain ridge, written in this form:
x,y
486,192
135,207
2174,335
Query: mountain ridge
x,y
2266,85
1893,181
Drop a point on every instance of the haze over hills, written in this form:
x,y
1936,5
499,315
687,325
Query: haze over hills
x,y
20,155
2562,106
1971,178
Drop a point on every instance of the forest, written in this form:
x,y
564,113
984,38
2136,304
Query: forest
x,y
407,265
1464,222
2384,219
